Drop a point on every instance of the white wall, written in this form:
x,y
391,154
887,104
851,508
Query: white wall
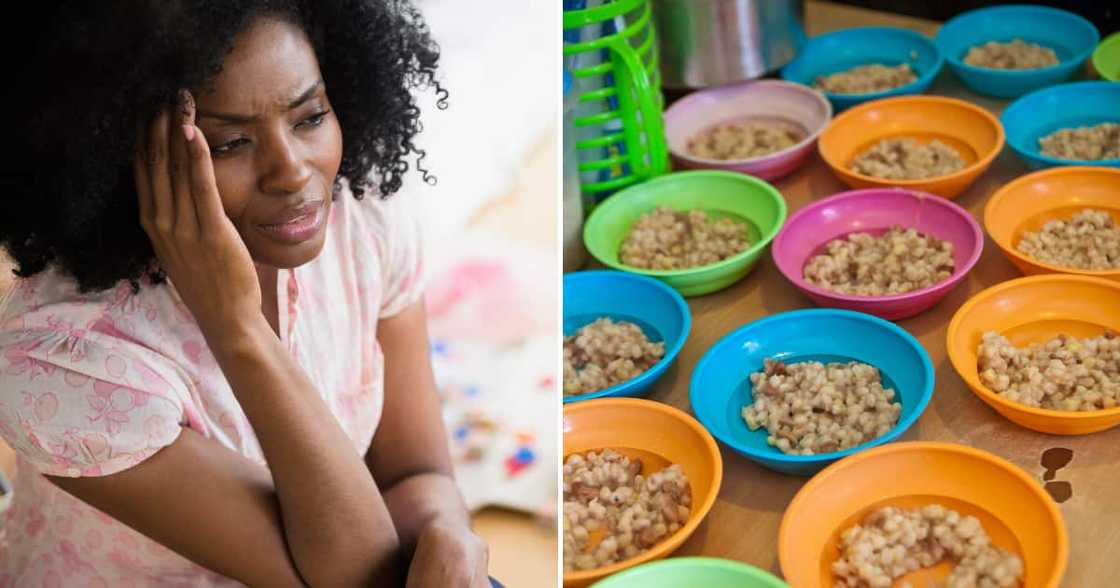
x,y
500,61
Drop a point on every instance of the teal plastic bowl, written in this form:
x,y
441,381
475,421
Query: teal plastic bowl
x,y
847,48
657,309
709,572
1077,104
743,198
721,384
1070,36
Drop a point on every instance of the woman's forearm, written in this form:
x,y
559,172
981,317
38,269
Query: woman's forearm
x,y
409,457
336,524
421,499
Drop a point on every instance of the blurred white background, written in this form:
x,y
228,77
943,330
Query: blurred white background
x,y
500,61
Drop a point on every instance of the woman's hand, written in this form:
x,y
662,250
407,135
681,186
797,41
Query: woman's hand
x,y
449,555
180,210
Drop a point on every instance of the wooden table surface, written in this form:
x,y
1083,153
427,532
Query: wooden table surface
x,y
743,524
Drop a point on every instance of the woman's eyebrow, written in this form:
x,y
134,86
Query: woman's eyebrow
x,y
305,95
243,118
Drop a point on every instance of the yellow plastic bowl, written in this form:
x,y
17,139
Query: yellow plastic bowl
x,y
1013,508
659,435
1030,310
971,130
1035,199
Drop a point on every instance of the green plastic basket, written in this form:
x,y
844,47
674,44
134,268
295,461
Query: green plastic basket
x,y
621,138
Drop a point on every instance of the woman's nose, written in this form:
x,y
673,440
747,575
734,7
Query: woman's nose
x,y
286,169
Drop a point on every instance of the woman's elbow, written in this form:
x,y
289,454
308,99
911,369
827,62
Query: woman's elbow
x,y
352,558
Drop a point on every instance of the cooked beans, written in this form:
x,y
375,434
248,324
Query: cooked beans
x,y
810,408
606,353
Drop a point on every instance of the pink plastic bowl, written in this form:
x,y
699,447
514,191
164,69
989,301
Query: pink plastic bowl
x,y
877,210
760,99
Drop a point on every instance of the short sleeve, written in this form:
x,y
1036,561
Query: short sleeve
x,y
81,404
401,250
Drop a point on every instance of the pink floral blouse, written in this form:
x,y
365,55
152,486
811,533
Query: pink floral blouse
x,y
92,384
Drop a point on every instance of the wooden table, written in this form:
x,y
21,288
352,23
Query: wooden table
x,y
743,524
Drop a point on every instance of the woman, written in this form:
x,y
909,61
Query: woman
x,y
215,368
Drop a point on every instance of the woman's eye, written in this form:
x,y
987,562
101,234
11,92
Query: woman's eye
x,y
314,120
228,147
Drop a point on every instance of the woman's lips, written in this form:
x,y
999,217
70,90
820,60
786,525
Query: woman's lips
x,y
301,225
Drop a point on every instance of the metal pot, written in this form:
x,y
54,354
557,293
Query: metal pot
x,y
714,42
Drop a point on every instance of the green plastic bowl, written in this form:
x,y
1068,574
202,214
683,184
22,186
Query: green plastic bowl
x,y
709,572
721,194
1106,58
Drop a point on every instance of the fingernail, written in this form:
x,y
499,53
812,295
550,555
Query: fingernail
x,y
188,132
186,105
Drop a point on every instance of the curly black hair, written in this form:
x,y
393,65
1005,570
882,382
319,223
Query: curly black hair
x,y
98,68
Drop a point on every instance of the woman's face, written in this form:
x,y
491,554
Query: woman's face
x,y
275,142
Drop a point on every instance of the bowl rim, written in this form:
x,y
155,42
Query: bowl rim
x,y
755,248
1004,192
978,166
741,88
672,542
670,352
971,376
825,475
701,561
1072,62
1037,154
1099,51
914,86
952,280
900,427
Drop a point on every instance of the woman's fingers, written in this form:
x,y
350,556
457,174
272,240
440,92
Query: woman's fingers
x,y
163,208
207,202
185,223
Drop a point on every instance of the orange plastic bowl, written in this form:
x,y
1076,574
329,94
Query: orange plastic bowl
x,y
659,435
1029,310
1035,199
1014,510
971,130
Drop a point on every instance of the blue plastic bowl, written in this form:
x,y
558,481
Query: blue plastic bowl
x,y
1040,113
842,50
721,383
1071,37
647,302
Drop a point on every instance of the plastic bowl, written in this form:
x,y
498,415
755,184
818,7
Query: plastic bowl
x,y
1029,310
710,572
764,99
660,312
1106,58
877,210
969,129
1012,506
842,50
1071,37
1040,113
743,198
659,435
1032,200
721,383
